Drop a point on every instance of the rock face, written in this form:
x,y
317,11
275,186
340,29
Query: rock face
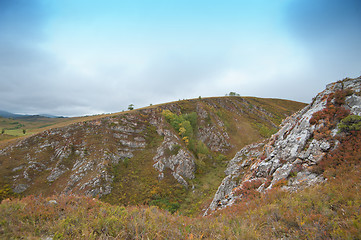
x,y
78,158
288,156
181,163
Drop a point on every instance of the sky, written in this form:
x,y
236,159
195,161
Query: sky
x,y
84,57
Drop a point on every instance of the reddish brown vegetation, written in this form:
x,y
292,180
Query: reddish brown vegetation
x,y
332,114
347,153
349,149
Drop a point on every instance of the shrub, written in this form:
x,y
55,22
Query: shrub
x,y
350,123
185,125
233,94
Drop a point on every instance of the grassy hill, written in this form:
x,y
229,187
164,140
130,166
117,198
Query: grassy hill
x,y
329,210
113,156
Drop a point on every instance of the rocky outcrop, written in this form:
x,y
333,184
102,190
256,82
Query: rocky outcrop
x,y
170,155
289,154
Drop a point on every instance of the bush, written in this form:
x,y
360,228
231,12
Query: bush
x,y
350,123
184,124
233,94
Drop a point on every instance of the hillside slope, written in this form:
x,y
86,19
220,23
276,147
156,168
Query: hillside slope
x,y
159,155
297,155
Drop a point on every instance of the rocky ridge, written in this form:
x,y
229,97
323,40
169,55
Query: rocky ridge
x,y
288,157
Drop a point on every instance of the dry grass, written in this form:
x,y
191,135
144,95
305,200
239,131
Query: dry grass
x,y
328,211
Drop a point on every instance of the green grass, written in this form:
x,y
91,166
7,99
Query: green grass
x,y
17,132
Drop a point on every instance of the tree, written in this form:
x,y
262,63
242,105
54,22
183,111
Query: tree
x,y
233,94
131,106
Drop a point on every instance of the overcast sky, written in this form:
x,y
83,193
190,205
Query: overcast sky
x,y
78,57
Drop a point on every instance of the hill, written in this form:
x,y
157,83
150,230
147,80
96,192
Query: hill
x,y
172,155
6,114
263,203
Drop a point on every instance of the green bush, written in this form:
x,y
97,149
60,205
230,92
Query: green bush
x,y
184,124
233,94
350,123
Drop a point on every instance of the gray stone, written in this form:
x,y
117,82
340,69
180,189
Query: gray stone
x,y
325,146
52,202
20,188
354,104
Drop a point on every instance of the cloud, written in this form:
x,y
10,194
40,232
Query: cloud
x,y
62,58
328,31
